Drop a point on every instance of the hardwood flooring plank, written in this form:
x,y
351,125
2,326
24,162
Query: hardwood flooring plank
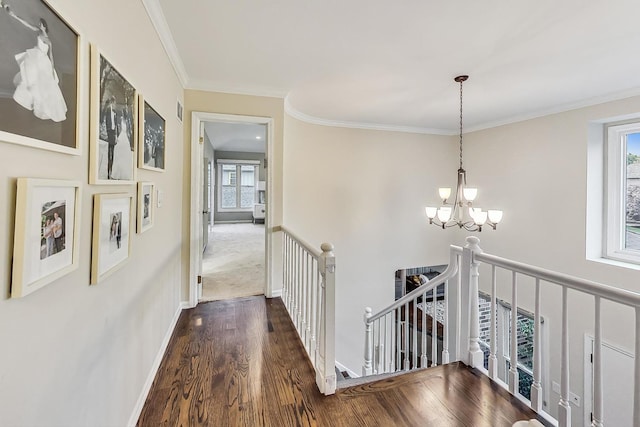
x,y
240,363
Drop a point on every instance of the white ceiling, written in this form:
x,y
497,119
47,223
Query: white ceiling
x,y
377,63
241,137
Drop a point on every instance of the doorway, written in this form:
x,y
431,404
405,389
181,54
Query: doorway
x,y
219,201
233,260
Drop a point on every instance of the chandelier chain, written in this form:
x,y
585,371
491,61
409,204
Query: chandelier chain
x,y
461,124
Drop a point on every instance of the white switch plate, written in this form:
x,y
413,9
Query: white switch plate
x,y
159,197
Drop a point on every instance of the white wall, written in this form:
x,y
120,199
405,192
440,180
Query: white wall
x,y
536,171
365,192
79,355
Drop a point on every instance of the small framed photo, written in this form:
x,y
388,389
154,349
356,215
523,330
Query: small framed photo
x,y
113,124
151,139
111,234
179,111
39,77
46,233
146,201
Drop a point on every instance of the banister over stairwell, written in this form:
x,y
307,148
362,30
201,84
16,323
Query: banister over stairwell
x,y
391,335
308,293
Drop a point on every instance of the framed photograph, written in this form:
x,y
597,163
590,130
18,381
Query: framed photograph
x,y
179,111
146,201
111,234
113,124
39,77
151,139
46,233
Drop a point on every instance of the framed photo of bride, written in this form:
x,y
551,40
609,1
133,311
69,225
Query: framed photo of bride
x,y
113,133
40,88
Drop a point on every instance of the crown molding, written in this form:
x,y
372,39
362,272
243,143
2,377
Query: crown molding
x,y
590,102
156,15
293,112
207,85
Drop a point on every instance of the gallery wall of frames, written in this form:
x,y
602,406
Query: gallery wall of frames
x,y
43,97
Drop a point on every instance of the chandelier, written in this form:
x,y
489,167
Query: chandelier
x,y
461,212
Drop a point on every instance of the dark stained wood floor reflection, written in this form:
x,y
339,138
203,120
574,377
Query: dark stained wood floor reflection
x,y
240,363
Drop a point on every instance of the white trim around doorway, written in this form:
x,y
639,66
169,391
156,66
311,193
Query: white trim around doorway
x,y
198,118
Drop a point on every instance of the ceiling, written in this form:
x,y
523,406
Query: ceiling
x,y
242,137
390,65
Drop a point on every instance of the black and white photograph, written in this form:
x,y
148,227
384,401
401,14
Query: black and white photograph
x,y
152,139
46,237
52,228
38,77
111,233
146,191
113,124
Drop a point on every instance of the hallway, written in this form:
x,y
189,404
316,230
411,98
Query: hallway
x,y
240,363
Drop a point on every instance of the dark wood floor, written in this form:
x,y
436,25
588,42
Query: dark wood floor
x,y
240,363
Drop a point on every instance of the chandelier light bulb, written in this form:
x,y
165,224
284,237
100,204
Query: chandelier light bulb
x,y
495,216
469,193
431,212
444,192
444,213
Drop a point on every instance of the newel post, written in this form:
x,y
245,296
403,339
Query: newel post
x,y
470,279
326,368
368,344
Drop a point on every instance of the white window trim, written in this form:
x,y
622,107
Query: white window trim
x,y
255,163
615,194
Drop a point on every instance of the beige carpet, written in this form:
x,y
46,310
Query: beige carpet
x,y
233,263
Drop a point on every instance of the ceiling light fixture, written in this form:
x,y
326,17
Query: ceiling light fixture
x,y
461,212
258,137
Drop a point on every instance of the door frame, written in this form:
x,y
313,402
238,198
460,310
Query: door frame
x,y
198,118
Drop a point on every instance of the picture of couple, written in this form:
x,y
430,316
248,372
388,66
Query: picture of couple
x,y
52,235
116,126
115,232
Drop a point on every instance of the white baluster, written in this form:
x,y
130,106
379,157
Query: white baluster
x,y
564,410
406,360
513,369
636,382
597,413
493,359
536,387
434,329
308,293
366,368
476,356
318,311
414,326
445,326
424,360
398,365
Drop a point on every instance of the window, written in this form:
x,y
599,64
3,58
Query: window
x,y
238,179
622,221
525,325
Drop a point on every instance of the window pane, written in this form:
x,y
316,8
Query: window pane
x,y
632,203
248,192
228,175
525,325
228,196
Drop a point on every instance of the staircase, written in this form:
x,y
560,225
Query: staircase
x,y
436,326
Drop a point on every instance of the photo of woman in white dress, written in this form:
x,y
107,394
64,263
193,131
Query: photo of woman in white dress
x,y
122,155
37,83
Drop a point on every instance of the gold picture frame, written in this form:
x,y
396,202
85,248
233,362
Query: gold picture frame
x,y
113,117
146,208
46,233
112,229
152,138
29,117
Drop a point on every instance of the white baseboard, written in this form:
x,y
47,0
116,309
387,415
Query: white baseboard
x,y
276,294
137,410
343,368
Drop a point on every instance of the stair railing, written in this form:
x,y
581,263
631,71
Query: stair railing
x,y
472,258
308,294
392,340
